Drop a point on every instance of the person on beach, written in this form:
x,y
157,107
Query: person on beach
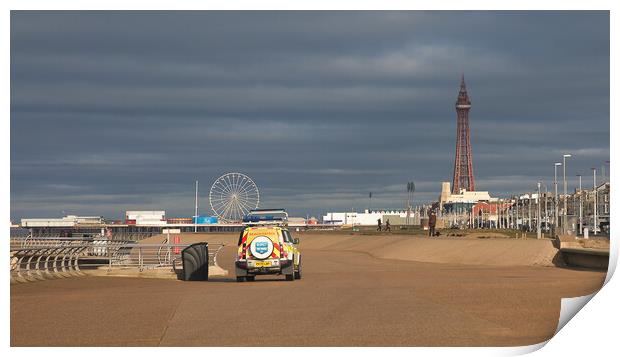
x,y
432,220
379,225
387,225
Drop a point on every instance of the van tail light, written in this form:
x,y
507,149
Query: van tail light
x,y
282,251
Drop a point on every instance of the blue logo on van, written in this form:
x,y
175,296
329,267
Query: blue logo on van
x,y
262,247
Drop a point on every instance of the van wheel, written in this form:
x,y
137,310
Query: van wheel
x,y
250,278
290,277
240,279
298,272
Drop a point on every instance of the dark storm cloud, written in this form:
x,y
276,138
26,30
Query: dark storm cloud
x,y
123,110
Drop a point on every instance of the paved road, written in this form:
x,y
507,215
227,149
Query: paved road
x,y
344,299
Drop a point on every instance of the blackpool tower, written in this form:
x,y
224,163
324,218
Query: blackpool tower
x,y
463,167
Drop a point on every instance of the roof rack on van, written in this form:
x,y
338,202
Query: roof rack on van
x,y
266,217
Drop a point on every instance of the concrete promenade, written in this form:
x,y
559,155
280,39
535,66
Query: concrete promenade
x,y
347,297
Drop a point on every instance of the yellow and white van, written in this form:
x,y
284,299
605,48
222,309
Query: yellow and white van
x,y
267,249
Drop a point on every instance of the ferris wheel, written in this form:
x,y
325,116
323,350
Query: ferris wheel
x,y
232,196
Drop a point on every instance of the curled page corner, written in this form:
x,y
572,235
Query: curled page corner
x,y
523,350
613,260
570,307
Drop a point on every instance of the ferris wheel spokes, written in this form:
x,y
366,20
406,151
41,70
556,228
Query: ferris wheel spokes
x,y
233,195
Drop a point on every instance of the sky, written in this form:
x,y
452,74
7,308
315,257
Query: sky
x,y
116,111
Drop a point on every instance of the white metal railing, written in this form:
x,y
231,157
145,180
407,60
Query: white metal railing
x,y
38,259
31,242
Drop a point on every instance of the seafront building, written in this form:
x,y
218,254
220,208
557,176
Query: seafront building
x,y
462,201
371,217
67,221
591,218
136,225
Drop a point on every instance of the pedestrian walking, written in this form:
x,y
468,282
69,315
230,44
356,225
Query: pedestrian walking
x,y
432,221
379,225
387,225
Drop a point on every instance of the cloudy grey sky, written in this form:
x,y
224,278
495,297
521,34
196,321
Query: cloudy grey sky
x,y
112,111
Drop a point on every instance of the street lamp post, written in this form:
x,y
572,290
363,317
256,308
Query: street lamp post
x,y
512,213
538,233
594,190
410,191
564,216
555,197
529,211
508,213
546,211
516,209
499,214
517,213
580,208
523,226
196,209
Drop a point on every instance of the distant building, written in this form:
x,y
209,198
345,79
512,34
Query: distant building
x,y
488,214
66,221
136,225
296,221
179,220
587,199
204,220
66,226
370,218
146,218
468,208
461,202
